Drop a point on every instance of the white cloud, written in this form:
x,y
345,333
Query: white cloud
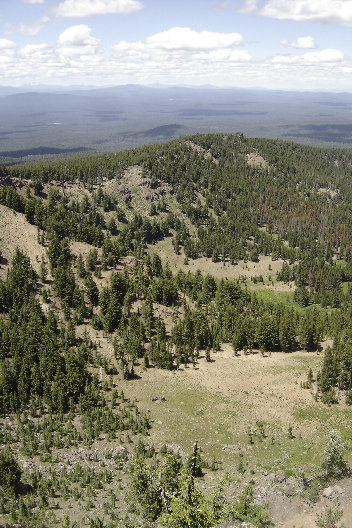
x,y
324,11
182,47
311,57
77,40
304,43
325,55
224,55
30,29
33,50
33,1
301,43
132,50
171,57
4,61
181,54
6,44
250,6
46,64
7,47
84,8
184,38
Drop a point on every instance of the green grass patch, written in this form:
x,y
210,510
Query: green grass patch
x,y
341,263
270,295
345,286
286,298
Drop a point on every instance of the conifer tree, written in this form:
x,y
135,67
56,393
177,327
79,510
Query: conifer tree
x,y
334,464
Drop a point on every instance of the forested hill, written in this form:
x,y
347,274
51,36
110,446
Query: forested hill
x,y
257,186
157,258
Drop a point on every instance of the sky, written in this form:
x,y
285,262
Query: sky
x,y
274,44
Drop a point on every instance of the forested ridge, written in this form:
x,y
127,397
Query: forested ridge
x,y
226,200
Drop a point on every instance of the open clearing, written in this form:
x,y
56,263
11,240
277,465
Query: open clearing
x,y
217,402
16,232
218,269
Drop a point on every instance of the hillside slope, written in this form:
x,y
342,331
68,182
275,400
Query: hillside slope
x,y
195,290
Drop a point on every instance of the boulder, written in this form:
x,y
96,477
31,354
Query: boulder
x,y
280,475
338,490
328,493
289,491
332,492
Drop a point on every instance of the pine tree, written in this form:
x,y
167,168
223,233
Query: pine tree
x,y
10,473
334,465
188,508
81,270
43,271
91,289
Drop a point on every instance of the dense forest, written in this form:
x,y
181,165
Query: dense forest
x,y
227,199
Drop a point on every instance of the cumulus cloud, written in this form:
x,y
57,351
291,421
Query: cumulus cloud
x,y
33,50
181,54
301,43
85,8
49,65
184,38
324,11
311,57
224,55
77,40
181,47
132,50
7,47
177,55
325,55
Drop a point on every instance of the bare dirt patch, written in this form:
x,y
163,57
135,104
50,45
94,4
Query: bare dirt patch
x,y
73,189
16,232
82,248
307,516
136,189
326,190
255,160
198,148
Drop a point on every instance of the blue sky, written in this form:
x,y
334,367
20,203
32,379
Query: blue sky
x,y
277,44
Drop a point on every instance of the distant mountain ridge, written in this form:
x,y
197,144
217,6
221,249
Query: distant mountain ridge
x,y
106,119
